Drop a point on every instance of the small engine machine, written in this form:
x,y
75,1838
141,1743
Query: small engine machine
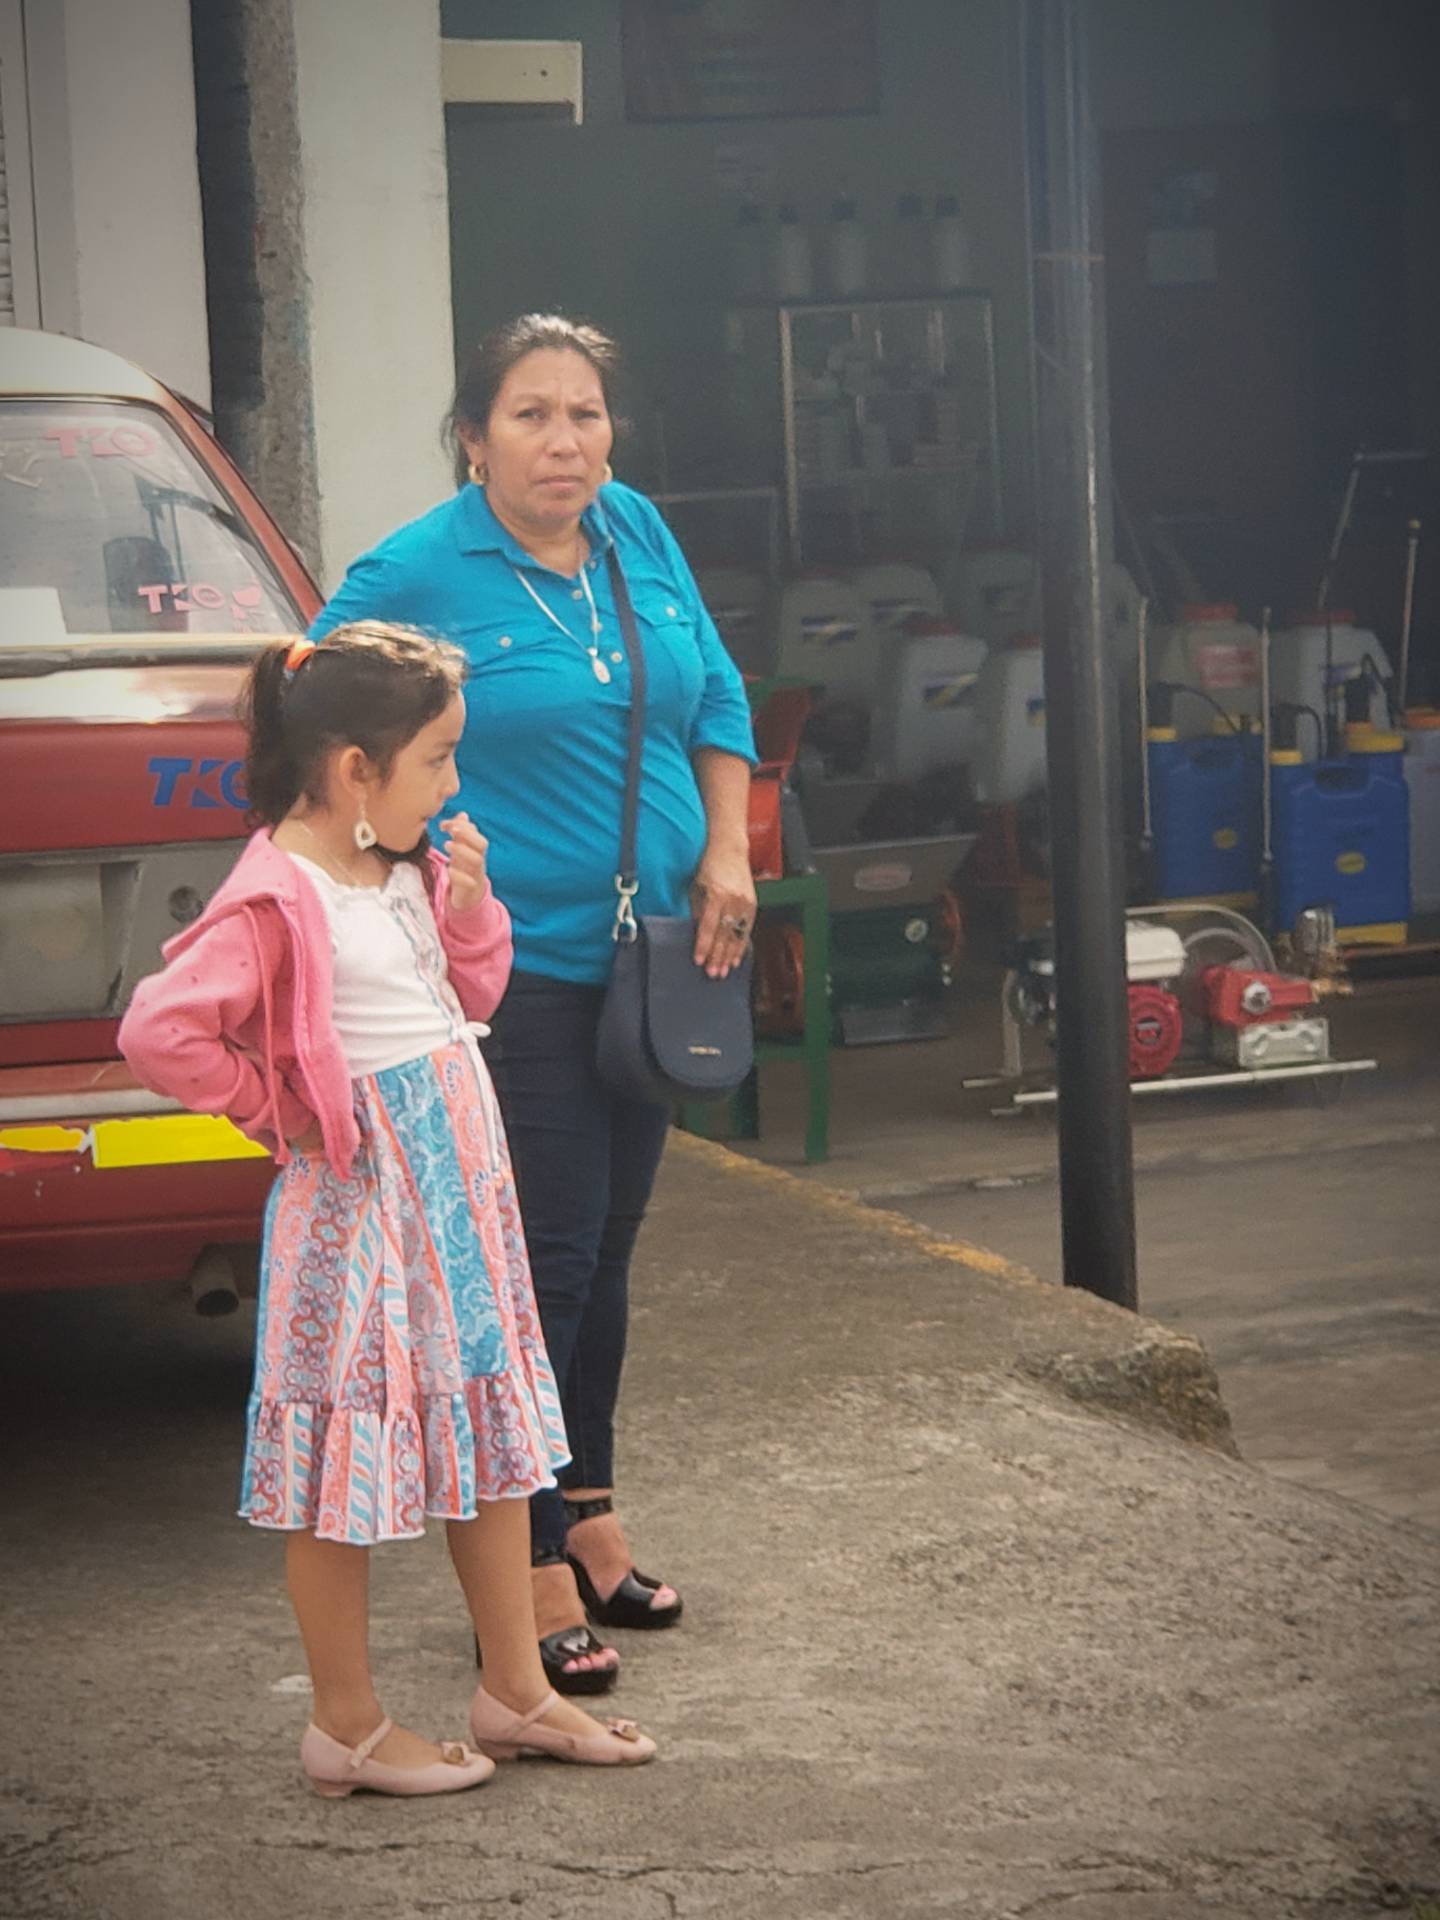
x,y
1194,1020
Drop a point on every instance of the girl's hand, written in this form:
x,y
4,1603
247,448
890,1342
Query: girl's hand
x,y
723,897
465,849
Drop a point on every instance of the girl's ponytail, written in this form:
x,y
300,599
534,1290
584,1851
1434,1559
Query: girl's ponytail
x,y
367,684
272,773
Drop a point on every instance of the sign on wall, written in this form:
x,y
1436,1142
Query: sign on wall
x,y
748,59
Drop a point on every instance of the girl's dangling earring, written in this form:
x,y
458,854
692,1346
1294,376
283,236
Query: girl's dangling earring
x,y
478,473
365,834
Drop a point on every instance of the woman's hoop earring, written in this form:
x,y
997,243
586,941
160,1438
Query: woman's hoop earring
x,y
479,474
608,475
365,834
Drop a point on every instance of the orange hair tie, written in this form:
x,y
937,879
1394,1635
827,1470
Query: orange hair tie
x,y
300,652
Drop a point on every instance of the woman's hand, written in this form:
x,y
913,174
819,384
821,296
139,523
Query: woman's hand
x,y
723,897
465,849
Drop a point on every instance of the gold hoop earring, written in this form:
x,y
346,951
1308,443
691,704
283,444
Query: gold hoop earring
x,y
479,474
608,475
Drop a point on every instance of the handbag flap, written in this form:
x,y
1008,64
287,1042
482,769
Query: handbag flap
x,y
700,1031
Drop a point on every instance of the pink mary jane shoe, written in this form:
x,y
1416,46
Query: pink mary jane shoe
x,y
335,1770
505,1735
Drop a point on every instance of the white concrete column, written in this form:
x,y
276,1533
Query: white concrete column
x,y
375,226
120,247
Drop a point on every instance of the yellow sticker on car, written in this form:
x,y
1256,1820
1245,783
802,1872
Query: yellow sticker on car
x,y
170,1140
43,1139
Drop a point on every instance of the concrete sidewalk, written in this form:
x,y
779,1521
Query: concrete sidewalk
x,y
957,1642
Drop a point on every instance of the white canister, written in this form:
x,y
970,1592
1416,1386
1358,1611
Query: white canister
x,y
950,261
895,591
997,592
823,634
1211,649
928,701
736,600
750,263
793,276
909,250
846,250
1010,722
1311,660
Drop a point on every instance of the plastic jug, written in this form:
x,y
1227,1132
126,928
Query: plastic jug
x,y
997,593
823,635
1308,669
930,690
1010,722
1422,776
1211,649
895,591
735,599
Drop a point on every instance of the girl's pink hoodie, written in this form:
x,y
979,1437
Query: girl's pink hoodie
x,y
239,1022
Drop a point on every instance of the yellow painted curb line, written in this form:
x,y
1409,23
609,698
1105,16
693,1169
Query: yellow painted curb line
x,y
855,1213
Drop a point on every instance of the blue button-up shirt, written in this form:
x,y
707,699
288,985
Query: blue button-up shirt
x,y
542,761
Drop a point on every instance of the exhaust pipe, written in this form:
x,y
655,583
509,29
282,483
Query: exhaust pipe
x,y
214,1291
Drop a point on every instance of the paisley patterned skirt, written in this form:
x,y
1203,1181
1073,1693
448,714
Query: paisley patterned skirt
x,y
400,1369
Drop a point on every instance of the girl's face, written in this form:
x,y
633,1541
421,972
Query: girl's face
x,y
547,440
422,777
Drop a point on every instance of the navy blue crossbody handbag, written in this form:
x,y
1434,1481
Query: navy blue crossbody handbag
x,y
667,1032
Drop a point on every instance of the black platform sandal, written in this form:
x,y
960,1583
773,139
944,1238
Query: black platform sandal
x,y
569,1643
572,1643
629,1605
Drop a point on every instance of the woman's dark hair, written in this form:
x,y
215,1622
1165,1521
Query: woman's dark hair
x,y
503,348
368,685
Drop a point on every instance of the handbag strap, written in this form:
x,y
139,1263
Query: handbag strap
x,y
627,880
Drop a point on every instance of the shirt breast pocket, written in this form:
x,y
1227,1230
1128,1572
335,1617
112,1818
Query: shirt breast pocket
x,y
510,671
672,659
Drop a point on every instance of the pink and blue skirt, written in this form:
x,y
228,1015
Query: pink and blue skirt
x,y
400,1369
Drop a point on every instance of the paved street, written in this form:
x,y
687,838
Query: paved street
x,y
1296,1231
954,1644
1313,1283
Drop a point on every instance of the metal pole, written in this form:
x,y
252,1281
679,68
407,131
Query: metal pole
x,y
1083,719
1407,615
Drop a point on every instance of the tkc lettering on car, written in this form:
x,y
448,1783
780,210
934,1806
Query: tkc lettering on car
x,y
182,782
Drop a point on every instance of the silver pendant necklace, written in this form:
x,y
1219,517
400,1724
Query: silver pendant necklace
x,y
597,665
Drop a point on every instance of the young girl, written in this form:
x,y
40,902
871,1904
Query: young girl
x,y
327,1002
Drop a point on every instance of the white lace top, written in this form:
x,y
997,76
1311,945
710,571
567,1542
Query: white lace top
x,y
393,997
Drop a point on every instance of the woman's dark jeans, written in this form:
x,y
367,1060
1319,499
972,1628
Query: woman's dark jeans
x,y
585,1162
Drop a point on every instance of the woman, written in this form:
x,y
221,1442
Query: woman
x,y
514,570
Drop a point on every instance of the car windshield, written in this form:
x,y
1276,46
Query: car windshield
x,y
109,524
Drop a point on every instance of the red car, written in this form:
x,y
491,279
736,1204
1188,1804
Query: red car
x,y
138,574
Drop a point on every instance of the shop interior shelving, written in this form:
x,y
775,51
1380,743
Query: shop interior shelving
x,y
887,422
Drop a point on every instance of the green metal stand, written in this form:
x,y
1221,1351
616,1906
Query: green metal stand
x,y
740,1117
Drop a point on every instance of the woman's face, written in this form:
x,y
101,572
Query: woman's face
x,y
547,440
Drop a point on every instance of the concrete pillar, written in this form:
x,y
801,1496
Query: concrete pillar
x,y
117,204
323,154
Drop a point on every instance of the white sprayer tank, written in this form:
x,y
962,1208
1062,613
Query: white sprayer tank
x,y
1010,722
997,593
1304,663
1212,649
895,591
930,688
735,599
823,634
